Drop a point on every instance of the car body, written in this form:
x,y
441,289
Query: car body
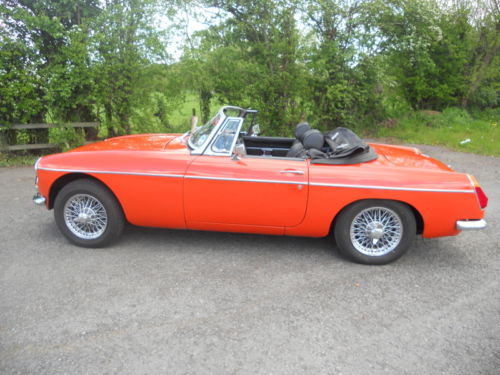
x,y
199,180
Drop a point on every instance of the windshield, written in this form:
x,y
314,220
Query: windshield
x,y
200,135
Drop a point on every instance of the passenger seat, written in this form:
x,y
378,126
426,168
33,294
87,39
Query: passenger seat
x,y
311,139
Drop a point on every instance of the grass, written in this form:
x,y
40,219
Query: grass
x,y
13,160
453,128
181,117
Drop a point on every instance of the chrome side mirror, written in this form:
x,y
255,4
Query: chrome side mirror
x,y
255,130
238,152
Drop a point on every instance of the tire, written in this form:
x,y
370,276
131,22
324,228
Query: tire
x,y
88,214
375,231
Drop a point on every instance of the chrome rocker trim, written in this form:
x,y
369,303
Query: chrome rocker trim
x,y
471,224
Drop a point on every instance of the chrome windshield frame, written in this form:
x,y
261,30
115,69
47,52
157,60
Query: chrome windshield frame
x,y
210,151
200,150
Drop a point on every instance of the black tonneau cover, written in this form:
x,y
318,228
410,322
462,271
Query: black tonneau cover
x,y
342,146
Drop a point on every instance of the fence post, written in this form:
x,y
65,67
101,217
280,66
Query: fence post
x,y
7,137
194,121
3,138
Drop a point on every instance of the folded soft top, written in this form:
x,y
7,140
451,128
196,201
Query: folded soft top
x,y
342,146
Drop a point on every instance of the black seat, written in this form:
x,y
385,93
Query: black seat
x,y
296,151
311,139
300,130
297,147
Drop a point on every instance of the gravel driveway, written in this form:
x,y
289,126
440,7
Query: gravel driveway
x,y
179,302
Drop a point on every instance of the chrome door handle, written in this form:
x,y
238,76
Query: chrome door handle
x,y
292,171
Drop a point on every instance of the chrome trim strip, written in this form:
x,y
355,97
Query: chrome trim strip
x,y
246,180
259,180
37,162
390,188
269,157
471,224
112,172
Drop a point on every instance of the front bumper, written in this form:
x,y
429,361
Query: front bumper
x,y
39,199
471,224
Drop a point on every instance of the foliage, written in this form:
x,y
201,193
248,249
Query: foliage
x,y
124,41
344,84
19,87
251,58
66,137
331,62
439,56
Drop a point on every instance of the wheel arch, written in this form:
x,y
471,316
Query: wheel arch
x,y
418,216
70,177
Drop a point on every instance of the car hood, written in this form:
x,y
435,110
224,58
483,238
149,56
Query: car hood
x,y
139,142
408,157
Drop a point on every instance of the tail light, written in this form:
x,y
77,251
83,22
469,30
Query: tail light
x,y
481,196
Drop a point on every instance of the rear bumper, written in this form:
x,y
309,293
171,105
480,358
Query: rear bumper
x,y
471,224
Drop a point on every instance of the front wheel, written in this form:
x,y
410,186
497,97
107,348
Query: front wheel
x,y
375,231
88,214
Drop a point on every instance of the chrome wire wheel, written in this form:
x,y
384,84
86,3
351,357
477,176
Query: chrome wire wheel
x,y
85,216
376,231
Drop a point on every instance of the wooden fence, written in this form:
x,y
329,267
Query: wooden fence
x,y
5,136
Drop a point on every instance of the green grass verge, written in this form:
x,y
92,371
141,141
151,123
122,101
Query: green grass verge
x,y
12,160
454,128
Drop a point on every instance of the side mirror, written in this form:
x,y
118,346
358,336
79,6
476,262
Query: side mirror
x,y
255,130
238,152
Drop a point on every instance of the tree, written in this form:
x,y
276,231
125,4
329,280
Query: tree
x,y
124,42
343,85
51,35
252,57
439,53
483,66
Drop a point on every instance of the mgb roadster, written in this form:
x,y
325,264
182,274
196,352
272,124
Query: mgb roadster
x,y
373,198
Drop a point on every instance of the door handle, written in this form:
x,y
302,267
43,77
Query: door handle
x,y
292,171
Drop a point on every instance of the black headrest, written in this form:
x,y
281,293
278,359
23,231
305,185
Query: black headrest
x,y
313,139
300,129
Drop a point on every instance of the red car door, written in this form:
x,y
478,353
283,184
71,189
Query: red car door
x,y
253,191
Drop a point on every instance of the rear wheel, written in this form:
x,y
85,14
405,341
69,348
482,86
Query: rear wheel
x,y
88,214
375,231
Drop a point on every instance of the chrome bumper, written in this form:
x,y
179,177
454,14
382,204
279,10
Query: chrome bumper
x,y
471,224
38,199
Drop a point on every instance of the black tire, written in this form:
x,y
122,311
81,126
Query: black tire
x,y
375,239
88,230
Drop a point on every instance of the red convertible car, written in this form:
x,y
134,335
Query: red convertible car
x,y
223,176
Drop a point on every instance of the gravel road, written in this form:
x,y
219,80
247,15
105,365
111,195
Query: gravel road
x,y
179,302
